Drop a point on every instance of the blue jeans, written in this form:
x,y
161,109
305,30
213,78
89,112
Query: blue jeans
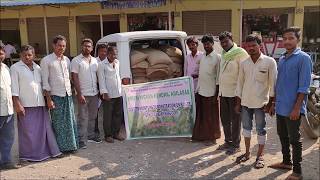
x,y
6,138
260,118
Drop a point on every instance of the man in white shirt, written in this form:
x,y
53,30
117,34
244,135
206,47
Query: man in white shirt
x,y
6,116
207,125
255,93
102,52
10,49
57,89
231,57
110,89
34,126
102,55
84,69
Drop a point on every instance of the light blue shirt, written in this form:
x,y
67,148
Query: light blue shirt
x,y
294,76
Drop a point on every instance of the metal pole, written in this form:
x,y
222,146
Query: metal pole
x,y
241,13
169,20
45,29
101,25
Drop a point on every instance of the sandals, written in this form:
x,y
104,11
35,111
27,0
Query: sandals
x,y
259,163
294,176
242,158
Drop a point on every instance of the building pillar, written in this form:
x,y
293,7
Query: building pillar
x,y
23,31
299,18
73,35
235,25
123,22
178,21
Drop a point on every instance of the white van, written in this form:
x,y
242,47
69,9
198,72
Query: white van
x,y
127,42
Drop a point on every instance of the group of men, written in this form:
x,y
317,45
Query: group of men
x,y
246,84
236,85
32,90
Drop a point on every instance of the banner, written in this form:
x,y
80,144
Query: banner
x,y
159,109
123,4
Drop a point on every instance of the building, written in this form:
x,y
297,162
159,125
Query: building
x,y
35,22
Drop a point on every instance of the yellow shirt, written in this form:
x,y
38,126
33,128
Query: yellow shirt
x,y
229,76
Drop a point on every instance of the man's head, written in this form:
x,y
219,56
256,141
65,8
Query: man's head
x,y
2,54
253,42
226,41
192,43
207,41
27,54
87,46
59,44
111,53
102,51
291,38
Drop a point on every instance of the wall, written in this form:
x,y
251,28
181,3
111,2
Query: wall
x,y
177,6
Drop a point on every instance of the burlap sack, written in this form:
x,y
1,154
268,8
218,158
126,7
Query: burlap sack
x,y
142,64
135,75
159,66
140,80
157,73
177,60
158,78
172,51
156,56
138,70
137,57
176,69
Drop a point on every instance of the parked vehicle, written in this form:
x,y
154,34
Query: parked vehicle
x,y
311,122
128,42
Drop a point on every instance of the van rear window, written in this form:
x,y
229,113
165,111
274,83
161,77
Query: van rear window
x,y
156,59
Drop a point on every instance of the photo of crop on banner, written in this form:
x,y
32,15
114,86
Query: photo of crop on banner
x,y
159,109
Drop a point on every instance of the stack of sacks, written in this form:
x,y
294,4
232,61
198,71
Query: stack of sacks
x,y
139,66
176,70
175,55
159,64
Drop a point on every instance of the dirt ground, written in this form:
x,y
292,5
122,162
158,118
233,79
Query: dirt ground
x,y
172,158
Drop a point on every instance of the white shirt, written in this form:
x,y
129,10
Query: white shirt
x,y
109,78
87,73
5,91
99,60
9,49
55,75
256,81
208,74
26,84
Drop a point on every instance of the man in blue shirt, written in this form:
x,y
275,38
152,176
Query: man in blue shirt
x,y
294,76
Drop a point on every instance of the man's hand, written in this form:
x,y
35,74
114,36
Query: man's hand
x,y
237,108
271,110
105,97
295,113
50,104
194,75
81,99
20,109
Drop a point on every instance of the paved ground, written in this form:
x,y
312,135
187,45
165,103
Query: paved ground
x,y
176,158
